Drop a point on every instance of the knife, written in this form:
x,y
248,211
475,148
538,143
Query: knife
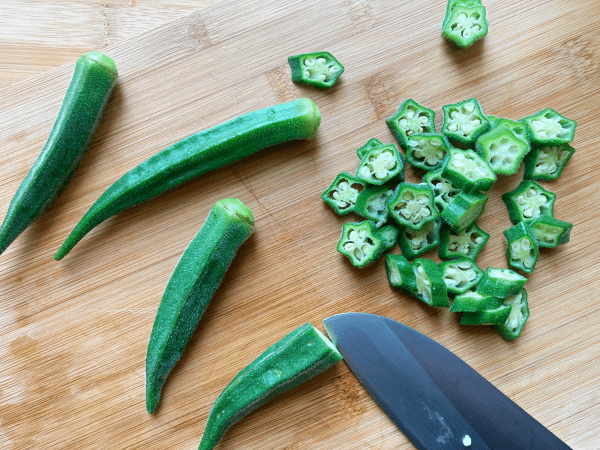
x,y
436,399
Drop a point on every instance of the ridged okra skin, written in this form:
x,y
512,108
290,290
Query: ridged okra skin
x,y
92,83
197,154
299,356
192,285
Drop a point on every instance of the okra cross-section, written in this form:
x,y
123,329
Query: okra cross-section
x,y
520,129
547,127
547,163
502,150
460,275
412,206
550,232
519,313
521,251
443,190
464,122
431,288
400,273
380,165
468,171
410,118
528,201
360,243
369,145
464,210
464,244
501,282
414,243
371,203
427,151
465,25
341,195
320,69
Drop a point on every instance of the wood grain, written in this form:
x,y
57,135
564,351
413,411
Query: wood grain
x,y
73,333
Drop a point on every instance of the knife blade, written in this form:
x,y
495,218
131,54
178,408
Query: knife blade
x,y
435,398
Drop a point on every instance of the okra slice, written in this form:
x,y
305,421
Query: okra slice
x,y
454,3
464,210
414,243
443,190
360,243
464,244
389,234
427,150
371,203
547,127
468,171
320,69
519,313
369,145
341,195
521,130
473,301
380,165
410,118
528,201
522,251
400,273
547,163
494,316
493,120
464,122
501,282
460,275
502,150
431,288
412,206
465,25
550,232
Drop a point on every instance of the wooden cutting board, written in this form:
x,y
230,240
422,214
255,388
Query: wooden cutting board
x,y
73,333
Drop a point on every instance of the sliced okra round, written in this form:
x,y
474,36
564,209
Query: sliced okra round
x,y
547,127
427,150
465,25
341,195
464,244
473,301
460,275
320,69
528,201
371,203
400,273
410,118
512,327
547,163
496,316
443,190
380,165
454,3
501,282
431,288
464,122
468,171
389,234
550,232
522,251
412,206
414,243
520,129
360,243
369,145
493,120
502,150
464,210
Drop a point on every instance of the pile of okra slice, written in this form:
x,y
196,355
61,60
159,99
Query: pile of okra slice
x,y
459,164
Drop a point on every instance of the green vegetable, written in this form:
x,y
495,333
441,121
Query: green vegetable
x,y
549,128
380,165
464,210
320,70
361,243
519,313
371,203
190,289
464,122
522,251
473,301
501,282
410,118
443,190
369,145
496,316
299,356
93,80
431,287
502,150
547,163
550,232
400,273
528,201
464,244
412,206
197,154
427,151
341,195
468,171
460,275
389,236
414,243
520,130
465,24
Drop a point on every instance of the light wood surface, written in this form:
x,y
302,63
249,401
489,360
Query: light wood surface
x,y
73,333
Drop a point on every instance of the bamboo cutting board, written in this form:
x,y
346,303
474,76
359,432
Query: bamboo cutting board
x,y
73,333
